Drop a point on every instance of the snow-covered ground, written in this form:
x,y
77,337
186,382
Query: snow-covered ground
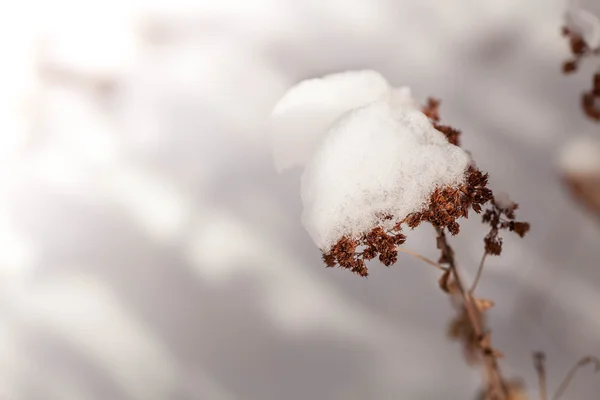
x,y
150,250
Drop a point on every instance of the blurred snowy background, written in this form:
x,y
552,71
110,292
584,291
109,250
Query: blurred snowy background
x,y
149,250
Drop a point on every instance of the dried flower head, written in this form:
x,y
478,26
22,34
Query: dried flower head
x,y
447,205
443,208
501,216
580,49
377,243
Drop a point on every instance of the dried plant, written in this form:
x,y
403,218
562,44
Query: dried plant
x,y
539,359
579,51
584,185
446,206
356,214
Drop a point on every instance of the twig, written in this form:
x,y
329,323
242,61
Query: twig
x,y
582,362
422,258
479,271
539,361
497,388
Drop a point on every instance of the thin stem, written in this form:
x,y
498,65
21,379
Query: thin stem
x,y
498,390
422,258
539,360
479,271
582,362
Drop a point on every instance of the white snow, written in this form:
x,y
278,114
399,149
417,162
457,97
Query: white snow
x,y
305,112
583,18
581,156
375,160
401,98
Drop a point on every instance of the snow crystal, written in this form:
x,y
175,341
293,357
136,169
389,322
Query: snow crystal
x,y
581,156
301,118
583,18
375,160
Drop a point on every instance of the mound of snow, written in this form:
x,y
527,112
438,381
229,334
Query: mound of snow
x,y
307,110
375,160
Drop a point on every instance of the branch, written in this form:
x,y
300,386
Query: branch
x,y
422,258
497,388
479,271
582,362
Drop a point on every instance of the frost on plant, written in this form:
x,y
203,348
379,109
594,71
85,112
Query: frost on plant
x,y
305,112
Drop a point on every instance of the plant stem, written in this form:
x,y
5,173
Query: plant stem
x,y
421,257
497,389
479,271
565,383
539,360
